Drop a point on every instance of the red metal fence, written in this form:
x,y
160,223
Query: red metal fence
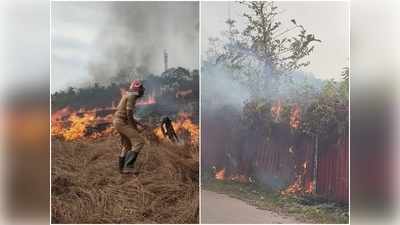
x,y
333,171
279,160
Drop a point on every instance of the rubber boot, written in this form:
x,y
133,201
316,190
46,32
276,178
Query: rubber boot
x,y
130,159
121,162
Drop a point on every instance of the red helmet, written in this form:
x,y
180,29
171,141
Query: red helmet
x,y
135,85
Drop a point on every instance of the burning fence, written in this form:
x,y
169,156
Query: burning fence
x,y
276,152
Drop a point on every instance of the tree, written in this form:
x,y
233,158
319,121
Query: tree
x,y
279,52
344,85
264,49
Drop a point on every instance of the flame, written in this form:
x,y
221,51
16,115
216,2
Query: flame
x,y
309,187
220,175
293,189
78,126
147,101
295,116
276,110
71,125
184,127
298,186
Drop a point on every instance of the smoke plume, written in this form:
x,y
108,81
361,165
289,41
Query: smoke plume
x,y
132,41
219,89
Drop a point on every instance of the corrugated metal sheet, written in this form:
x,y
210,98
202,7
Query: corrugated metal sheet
x,y
333,172
278,161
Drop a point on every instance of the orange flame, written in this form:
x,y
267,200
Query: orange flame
x,y
149,100
71,125
276,110
220,175
299,187
78,126
184,127
295,116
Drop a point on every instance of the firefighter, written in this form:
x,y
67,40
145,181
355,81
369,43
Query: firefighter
x,y
129,128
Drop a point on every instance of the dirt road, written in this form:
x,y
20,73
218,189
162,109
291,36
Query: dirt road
x,y
220,208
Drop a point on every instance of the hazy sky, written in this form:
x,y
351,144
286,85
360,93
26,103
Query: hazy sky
x,y
329,21
91,41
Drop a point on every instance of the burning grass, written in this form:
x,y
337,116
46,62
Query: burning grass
x,y
185,128
307,209
87,187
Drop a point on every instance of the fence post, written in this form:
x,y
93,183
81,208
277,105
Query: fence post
x,y
315,165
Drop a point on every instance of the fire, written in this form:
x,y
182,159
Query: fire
x,y
300,185
149,100
276,110
78,126
71,125
295,117
184,127
309,187
220,175
294,188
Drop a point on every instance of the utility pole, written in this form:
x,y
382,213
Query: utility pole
x,y
165,60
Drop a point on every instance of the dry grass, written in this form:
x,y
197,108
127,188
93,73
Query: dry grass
x,y
87,187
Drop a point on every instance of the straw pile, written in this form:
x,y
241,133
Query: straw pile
x,y
87,187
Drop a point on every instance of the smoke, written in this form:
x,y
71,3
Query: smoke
x,y
222,86
220,89
133,39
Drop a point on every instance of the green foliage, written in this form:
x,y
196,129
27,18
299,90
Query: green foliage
x,y
257,116
280,49
276,49
325,114
329,113
264,49
89,97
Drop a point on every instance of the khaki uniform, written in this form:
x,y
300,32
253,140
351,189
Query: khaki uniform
x,y
131,139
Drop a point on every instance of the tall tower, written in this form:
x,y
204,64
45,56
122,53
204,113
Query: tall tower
x,y
165,60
